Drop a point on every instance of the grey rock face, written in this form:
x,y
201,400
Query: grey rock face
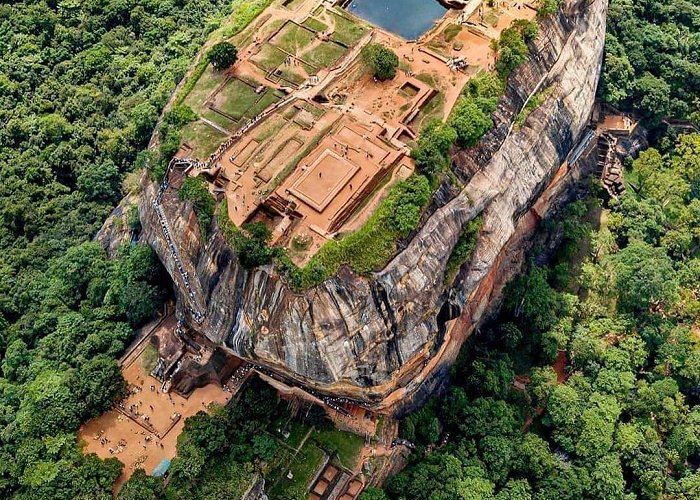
x,y
373,338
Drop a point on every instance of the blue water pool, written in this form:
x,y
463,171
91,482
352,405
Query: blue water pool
x,y
407,18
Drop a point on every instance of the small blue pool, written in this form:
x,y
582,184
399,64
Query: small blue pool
x,y
406,18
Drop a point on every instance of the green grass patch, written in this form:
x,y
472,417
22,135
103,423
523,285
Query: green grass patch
x,y
433,109
219,119
315,111
293,38
451,32
324,55
345,444
269,57
293,4
202,138
381,420
236,98
426,78
292,76
303,466
265,100
243,12
491,18
297,431
346,31
270,128
149,358
208,81
315,25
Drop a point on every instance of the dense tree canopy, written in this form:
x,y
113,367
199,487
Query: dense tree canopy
x,y
81,87
651,58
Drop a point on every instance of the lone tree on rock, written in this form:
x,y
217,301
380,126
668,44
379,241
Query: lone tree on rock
x,y
382,60
223,55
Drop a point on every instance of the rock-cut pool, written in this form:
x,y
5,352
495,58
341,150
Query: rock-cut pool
x,y
406,18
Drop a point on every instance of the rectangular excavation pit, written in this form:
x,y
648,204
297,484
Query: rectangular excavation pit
x,y
278,159
410,89
242,157
362,143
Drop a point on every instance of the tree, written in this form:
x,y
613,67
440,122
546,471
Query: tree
x,y
533,301
141,487
207,432
547,7
475,488
381,59
515,489
372,493
533,457
606,478
652,95
223,55
543,380
100,182
597,426
99,383
469,122
644,276
497,454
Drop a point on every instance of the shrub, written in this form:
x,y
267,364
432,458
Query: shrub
x,y
381,59
547,8
252,245
194,190
250,242
486,89
180,116
463,249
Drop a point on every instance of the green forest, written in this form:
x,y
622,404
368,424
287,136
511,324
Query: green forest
x,y
82,84
619,417
652,58
603,343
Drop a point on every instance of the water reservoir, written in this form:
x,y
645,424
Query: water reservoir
x,y
406,18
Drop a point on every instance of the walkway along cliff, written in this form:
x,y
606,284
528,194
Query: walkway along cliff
x,y
383,339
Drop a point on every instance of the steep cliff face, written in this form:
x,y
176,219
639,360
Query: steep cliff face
x,y
380,338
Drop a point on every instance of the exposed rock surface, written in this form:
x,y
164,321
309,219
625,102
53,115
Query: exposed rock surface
x,y
115,231
379,339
